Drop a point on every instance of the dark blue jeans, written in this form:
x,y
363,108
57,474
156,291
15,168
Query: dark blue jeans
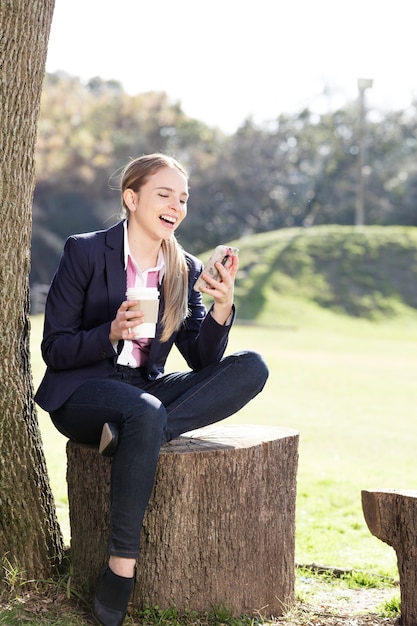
x,y
149,413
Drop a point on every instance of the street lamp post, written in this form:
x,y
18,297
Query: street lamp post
x,y
363,85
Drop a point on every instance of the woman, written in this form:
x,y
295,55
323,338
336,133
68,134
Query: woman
x,y
98,375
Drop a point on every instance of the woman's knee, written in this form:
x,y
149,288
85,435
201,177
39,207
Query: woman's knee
x,y
147,416
255,368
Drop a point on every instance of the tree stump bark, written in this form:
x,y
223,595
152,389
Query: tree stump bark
x,y
391,516
219,528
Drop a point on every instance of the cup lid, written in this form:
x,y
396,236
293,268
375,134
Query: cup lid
x,y
142,291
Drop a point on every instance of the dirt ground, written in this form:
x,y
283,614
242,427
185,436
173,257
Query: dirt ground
x,y
321,604
318,604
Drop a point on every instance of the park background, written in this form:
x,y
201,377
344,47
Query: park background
x,y
291,176
319,191
287,114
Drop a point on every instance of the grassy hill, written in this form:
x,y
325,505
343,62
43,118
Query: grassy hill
x,y
297,275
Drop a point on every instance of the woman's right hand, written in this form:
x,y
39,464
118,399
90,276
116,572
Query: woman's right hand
x,y
125,320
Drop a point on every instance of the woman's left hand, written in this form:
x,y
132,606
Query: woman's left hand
x,y
222,291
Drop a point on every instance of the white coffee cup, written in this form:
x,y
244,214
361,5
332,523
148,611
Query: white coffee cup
x,y
148,302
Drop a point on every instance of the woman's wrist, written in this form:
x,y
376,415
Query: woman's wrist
x,y
222,314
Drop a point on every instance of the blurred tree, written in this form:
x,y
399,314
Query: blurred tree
x,y
296,170
30,538
87,133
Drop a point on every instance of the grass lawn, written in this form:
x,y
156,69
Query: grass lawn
x,y
350,389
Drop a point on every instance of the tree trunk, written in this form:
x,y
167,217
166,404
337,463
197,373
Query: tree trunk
x,y
219,528
392,517
30,538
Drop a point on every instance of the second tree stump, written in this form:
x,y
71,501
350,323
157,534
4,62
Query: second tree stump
x,y
392,517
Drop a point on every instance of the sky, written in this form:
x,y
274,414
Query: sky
x,y
227,60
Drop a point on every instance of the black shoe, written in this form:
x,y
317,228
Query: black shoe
x,y
112,598
107,616
109,439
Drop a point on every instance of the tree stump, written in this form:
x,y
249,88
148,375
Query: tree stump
x,y
391,516
219,528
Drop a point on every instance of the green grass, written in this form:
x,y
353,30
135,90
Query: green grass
x,y
391,608
369,273
350,390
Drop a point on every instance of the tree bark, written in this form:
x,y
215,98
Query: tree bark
x,y
30,538
219,528
392,517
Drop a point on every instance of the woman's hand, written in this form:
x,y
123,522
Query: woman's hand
x,y
125,320
222,291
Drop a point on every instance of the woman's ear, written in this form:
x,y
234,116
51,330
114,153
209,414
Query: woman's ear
x,y
129,198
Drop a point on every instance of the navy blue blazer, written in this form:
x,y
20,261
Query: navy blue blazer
x,y
85,293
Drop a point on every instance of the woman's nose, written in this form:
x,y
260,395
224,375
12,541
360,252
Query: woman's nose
x,y
176,204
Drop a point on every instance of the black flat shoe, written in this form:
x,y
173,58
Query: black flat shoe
x,y
112,598
109,439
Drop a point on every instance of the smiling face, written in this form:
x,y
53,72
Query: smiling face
x,y
160,205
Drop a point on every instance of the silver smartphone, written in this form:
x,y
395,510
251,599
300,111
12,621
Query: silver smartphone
x,y
222,254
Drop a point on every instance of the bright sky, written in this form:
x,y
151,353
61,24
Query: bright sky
x,y
225,60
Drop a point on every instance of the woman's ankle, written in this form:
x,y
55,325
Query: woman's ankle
x,y
122,566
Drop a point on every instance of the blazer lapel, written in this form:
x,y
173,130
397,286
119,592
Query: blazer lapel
x,y
115,271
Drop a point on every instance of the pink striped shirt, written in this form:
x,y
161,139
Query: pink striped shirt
x,y
135,352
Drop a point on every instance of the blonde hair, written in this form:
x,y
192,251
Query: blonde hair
x,y
175,284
